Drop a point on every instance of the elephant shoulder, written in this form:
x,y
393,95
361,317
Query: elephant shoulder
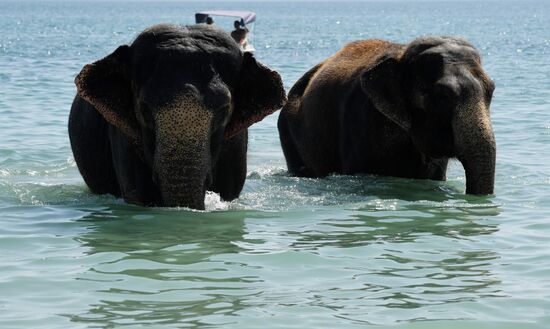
x,y
344,65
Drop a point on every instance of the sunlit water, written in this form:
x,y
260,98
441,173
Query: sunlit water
x,y
343,252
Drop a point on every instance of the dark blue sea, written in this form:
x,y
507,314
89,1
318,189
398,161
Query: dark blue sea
x,y
341,252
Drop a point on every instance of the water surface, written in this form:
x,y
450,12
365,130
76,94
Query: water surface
x,y
346,252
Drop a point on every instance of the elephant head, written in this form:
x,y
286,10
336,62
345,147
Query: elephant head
x,y
176,94
436,90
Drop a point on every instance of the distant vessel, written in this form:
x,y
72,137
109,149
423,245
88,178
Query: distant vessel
x,y
247,20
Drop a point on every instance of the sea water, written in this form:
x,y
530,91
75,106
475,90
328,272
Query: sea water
x,y
341,252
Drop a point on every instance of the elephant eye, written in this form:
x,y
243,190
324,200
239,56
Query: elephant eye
x,y
224,108
222,115
144,115
442,93
444,99
227,111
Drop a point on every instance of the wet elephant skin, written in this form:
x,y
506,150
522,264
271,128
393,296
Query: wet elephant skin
x,y
162,120
382,108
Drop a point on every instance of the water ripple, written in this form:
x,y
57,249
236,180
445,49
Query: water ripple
x,y
345,251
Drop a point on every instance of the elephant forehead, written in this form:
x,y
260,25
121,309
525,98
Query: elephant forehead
x,y
197,38
173,74
453,52
185,49
185,118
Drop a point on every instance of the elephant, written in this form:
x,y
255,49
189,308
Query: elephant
x,y
377,107
164,119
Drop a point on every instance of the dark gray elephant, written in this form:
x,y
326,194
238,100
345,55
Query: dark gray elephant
x,y
163,120
398,110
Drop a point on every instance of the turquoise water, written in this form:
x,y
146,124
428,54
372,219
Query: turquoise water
x,y
344,252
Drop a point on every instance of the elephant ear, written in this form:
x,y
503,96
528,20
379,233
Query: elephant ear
x,y
105,84
258,93
382,84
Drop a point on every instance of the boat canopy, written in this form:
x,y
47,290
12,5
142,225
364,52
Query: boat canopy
x,y
247,17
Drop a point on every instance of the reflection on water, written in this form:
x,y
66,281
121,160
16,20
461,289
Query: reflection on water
x,y
162,266
156,265
340,252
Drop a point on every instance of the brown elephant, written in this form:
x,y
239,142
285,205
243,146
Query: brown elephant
x,y
163,120
382,108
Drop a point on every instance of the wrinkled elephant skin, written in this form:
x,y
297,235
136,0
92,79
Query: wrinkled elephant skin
x,y
163,120
382,108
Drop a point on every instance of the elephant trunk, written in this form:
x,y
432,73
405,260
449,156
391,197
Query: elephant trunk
x,y
185,187
182,157
476,147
